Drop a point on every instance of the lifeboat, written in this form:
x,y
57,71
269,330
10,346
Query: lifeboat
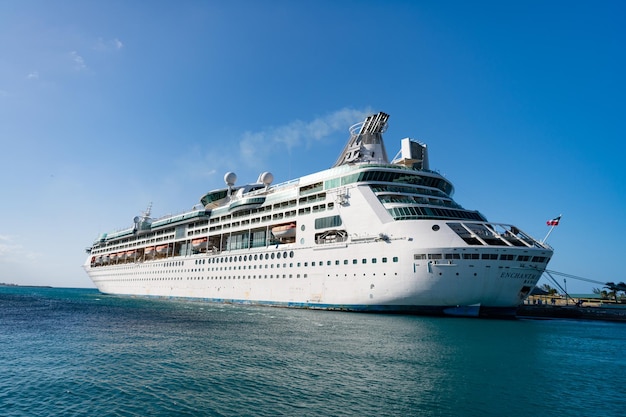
x,y
161,250
149,251
105,259
198,243
130,254
113,257
284,230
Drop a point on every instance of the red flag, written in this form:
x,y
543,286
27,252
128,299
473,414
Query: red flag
x,y
554,222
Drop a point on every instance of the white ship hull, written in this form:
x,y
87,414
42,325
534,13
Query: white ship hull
x,y
328,277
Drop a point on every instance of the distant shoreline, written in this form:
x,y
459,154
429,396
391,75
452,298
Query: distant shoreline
x,y
4,284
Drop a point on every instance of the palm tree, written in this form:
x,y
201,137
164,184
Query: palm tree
x,y
602,293
547,288
612,289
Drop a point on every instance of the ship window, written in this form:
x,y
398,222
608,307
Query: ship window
x,y
291,254
434,256
507,257
354,261
489,256
470,256
327,262
419,256
330,221
395,259
337,262
539,259
523,258
452,256
384,260
373,260
345,262
331,183
364,260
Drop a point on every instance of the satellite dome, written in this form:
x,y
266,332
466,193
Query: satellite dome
x,y
230,178
266,178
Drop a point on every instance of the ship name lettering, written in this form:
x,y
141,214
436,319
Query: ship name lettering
x,y
518,275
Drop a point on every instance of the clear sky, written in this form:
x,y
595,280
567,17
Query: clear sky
x,y
108,106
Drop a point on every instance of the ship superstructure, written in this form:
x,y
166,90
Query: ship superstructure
x,y
368,234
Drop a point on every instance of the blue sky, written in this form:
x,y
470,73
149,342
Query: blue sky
x,y
106,107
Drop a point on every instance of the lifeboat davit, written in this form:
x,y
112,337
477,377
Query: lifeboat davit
x,y
284,230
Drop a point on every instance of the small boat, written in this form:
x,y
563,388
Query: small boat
x,y
161,250
149,251
198,243
284,230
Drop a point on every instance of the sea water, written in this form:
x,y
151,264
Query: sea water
x,y
76,352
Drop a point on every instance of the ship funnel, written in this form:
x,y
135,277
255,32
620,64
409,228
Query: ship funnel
x,y
366,142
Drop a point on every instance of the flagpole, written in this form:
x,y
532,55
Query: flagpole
x,y
551,228
546,238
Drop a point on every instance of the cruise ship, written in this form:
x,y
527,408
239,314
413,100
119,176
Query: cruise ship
x,y
368,234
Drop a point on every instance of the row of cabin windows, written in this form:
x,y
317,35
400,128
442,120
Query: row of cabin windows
x,y
389,176
245,258
149,239
407,189
200,278
266,218
284,265
406,199
265,266
282,205
416,212
483,256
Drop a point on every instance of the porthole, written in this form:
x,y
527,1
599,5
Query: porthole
x,y
302,228
435,227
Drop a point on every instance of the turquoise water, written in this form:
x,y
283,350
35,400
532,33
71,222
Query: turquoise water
x,y
77,352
